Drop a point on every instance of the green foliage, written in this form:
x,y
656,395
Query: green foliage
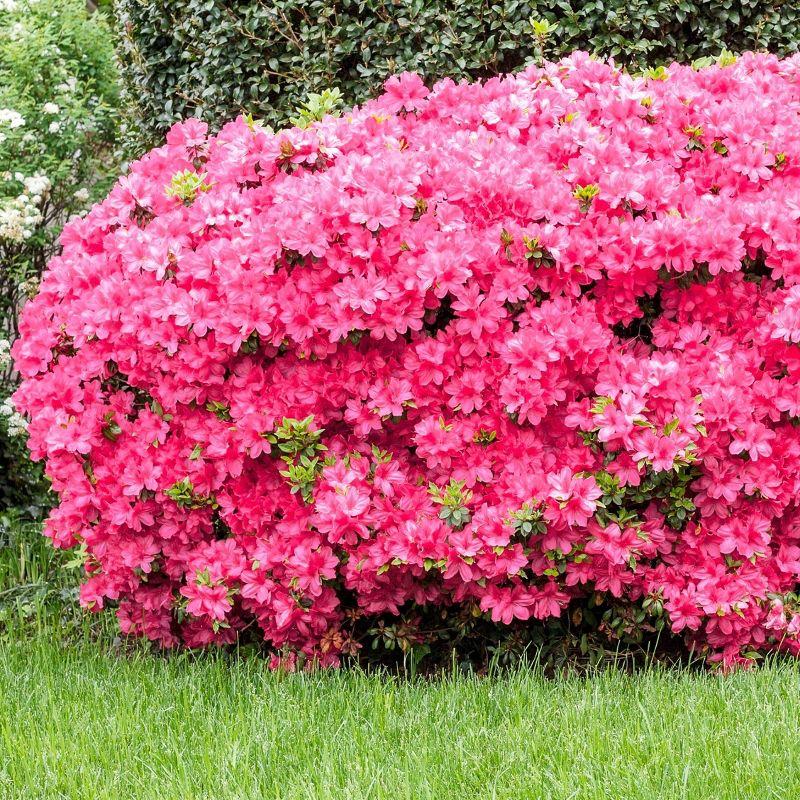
x,y
585,194
268,57
187,185
298,445
302,475
453,499
294,437
184,495
37,584
318,106
57,75
626,505
22,482
528,520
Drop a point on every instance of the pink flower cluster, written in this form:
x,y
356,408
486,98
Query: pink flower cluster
x,y
498,346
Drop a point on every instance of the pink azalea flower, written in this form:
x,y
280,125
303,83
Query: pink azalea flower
x,y
404,91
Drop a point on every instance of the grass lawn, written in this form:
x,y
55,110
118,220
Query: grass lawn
x,y
77,722
80,721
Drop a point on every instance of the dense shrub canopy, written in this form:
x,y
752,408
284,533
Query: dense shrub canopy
x,y
214,60
492,349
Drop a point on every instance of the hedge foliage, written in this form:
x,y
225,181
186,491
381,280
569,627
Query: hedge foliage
x,y
212,60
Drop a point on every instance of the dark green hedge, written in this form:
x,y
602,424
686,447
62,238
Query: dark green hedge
x,y
213,59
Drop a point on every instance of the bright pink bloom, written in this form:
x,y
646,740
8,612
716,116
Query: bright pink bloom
x,y
548,337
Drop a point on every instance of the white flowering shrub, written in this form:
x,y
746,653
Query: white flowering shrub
x,y
58,123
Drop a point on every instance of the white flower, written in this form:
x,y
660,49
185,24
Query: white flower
x,y
5,353
54,127
8,5
20,215
15,422
10,117
50,108
82,195
37,184
17,426
69,85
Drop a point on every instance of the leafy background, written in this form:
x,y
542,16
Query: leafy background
x,y
213,60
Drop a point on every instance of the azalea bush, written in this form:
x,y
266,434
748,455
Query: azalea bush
x,y
486,356
58,95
